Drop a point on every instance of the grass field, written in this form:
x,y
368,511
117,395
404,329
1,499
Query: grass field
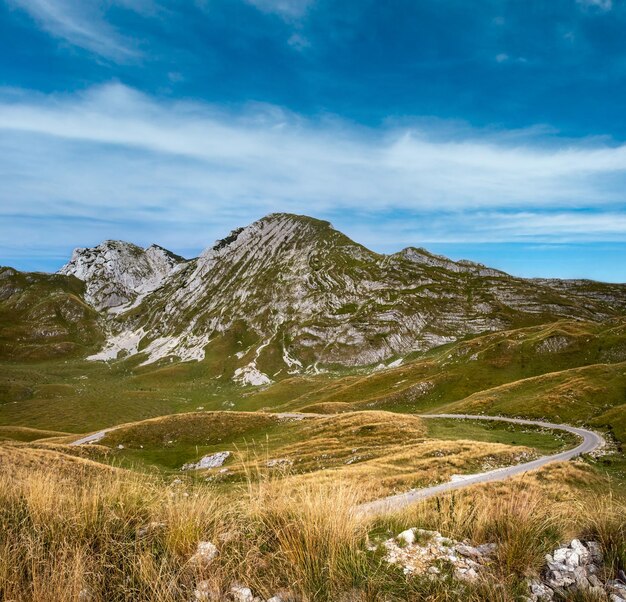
x,y
279,507
76,529
381,452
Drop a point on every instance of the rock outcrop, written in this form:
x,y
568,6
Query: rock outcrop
x,y
116,273
422,551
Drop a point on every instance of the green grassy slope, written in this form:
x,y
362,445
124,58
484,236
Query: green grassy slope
x,y
593,395
454,371
44,316
79,396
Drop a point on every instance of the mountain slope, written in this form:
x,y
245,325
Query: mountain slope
x,y
453,372
289,294
45,316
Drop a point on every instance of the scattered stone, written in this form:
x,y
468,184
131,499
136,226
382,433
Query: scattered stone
x,y
540,591
279,463
617,587
595,582
572,570
475,552
408,536
150,528
85,595
204,554
240,593
202,593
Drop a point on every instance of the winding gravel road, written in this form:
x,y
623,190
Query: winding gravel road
x,y
590,442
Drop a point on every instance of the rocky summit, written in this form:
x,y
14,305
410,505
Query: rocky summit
x,y
290,294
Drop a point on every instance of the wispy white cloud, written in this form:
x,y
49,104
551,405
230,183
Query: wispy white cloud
x,y
603,5
285,8
298,41
82,23
125,165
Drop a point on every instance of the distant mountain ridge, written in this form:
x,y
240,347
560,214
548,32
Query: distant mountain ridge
x,y
290,294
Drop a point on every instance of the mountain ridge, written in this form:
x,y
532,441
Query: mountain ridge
x,y
290,294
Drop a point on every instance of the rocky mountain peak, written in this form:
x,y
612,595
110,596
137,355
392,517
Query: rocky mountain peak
x,y
281,237
117,272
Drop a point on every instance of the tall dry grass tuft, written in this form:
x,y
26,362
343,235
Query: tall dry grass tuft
x,y
108,536
604,518
525,528
115,536
316,536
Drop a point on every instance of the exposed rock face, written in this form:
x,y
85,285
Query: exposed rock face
x,y
116,273
294,293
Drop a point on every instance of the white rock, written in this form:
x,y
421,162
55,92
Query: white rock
x,y
541,591
202,592
408,536
210,461
241,593
205,554
487,548
560,555
468,551
85,595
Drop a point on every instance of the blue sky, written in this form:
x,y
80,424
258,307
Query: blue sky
x,y
490,130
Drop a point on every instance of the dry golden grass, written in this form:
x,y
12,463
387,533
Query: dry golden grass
x,y
380,453
328,407
400,467
19,457
23,433
68,529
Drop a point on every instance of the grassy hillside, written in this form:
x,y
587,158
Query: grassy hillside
x,y
454,371
79,396
382,452
68,531
44,316
593,395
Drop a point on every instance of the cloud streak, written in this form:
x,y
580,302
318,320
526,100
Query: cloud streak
x,y
82,24
288,9
183,173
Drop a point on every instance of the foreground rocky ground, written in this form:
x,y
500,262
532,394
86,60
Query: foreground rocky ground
x,y
572,571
